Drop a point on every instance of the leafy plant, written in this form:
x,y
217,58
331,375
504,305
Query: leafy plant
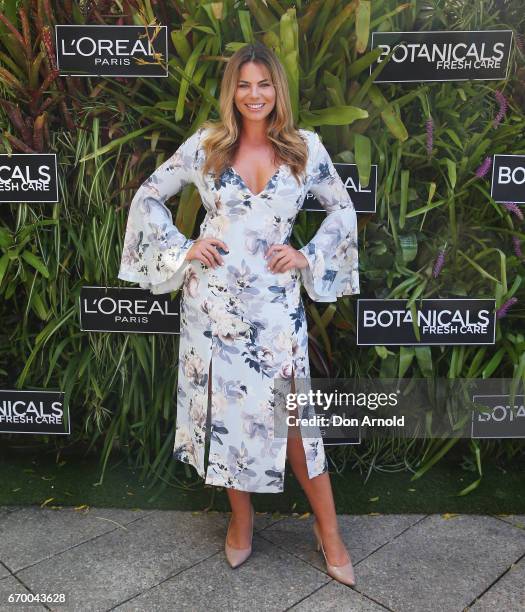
x,y
437,232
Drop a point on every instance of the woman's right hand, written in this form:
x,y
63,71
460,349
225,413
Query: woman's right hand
x,y
205,251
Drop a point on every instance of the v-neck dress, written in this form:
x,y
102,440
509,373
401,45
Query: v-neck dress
x,y
241,324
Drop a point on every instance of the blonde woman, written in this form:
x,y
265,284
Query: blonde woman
x,y
243,324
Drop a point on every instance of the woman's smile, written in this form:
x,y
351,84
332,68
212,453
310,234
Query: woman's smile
x,y
255,94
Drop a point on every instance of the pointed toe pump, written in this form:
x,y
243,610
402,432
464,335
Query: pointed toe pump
x,y
236,556
341,573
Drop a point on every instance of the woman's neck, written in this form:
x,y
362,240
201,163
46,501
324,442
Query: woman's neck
x,y
253,133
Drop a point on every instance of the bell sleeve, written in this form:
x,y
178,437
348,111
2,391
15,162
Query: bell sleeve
x,y
154,249
332,269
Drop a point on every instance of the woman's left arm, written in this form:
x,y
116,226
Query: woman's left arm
x,y
154,253
332,269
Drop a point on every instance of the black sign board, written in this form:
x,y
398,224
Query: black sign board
x,y
128,310
364,198
445,321
112,50
457,55
28,177
508,178
499,418
33,412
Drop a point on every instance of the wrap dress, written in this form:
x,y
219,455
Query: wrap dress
x,y
241,325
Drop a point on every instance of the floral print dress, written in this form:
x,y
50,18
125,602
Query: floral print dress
x,y
241,325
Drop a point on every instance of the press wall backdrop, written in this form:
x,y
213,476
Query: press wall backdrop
x,y
423,112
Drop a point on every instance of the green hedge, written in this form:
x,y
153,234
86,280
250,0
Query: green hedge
x,y
109,134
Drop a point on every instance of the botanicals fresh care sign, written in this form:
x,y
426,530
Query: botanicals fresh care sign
x,y
28,177
499,417
442,55
508,178
444,321
33,412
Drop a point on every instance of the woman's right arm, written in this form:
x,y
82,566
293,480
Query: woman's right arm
x,y
154,249
332,254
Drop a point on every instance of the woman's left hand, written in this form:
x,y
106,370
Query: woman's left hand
x,y
283,257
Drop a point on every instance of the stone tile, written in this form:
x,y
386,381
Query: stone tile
x,y
4,572
262,519
362,534
109,569
440,564
11,586
271,579
335,597
9,508
32,534
515,519
507,594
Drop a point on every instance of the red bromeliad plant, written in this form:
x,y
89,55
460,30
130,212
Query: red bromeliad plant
x,y
34,97
32,91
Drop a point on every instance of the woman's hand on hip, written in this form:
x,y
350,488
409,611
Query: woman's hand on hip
x,y
206,250
283,257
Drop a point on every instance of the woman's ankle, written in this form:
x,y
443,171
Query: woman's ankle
x,y
330,529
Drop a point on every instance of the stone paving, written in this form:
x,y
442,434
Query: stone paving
x,y
149,560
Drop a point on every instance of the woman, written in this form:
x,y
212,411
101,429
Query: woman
x,y
243,325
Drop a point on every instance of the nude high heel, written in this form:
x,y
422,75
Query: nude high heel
x,y
341,573
236,556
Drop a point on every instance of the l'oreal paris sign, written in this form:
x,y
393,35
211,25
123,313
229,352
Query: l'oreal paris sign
x,y
28,177
363,198
129,310
443,55
444,321
112,50
508,178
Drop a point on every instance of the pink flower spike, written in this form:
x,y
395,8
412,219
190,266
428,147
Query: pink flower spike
x,y
430,135
517,247
502,310
503,106
484,167
440,260
520,41
514,208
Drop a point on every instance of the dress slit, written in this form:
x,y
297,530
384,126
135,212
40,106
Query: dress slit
x,y
207,433
295,412
299,434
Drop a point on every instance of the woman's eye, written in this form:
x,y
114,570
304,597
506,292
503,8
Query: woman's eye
x,y
262,85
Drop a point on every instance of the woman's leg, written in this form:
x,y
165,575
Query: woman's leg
x,y
240,533
318,490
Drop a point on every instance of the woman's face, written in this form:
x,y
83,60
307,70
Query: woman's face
x,y
254,87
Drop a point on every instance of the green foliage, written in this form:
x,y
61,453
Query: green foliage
x,y
109,134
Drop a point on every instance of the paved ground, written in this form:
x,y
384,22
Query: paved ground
x,y
135,560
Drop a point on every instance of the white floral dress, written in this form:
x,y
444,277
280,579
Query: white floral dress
x,y
241,325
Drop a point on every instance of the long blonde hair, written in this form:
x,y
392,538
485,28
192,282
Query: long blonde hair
x,y
222,142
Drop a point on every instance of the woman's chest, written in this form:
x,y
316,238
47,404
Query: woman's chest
x,y
255,168
282,194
